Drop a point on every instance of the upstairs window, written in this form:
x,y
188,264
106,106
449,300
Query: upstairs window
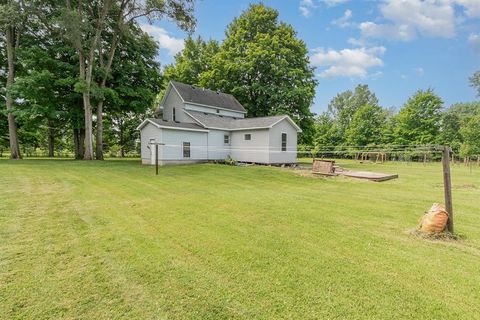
x,y
174,115
284,142
186,149
248,136
226,139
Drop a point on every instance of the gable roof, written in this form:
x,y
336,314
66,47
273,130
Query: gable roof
x,y
159,123
212,121
207,97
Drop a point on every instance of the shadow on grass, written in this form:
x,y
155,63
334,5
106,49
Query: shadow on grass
x,y
443,236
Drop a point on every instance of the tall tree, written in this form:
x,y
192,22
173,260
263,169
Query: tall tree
x,y
471,137
345,104
195,58
265,66
367,126
94,29
326,131
419,120
475,82
12,17
135,82
450,130
46,85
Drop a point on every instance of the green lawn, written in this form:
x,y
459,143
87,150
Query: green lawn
x,y
109,240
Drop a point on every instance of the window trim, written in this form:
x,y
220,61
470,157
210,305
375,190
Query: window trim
x,y
284,147
226,139
249,135
186,148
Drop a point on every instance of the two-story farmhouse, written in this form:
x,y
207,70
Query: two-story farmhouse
x,y
198,124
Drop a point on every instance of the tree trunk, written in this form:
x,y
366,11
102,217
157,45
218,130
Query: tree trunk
x,y
99,133
122,146
51,139
76,143
79,138
88,154
12,126
103,84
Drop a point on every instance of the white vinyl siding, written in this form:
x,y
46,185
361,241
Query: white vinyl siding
x,y
253,150
276,155
173,100
213,110
217,149
148,132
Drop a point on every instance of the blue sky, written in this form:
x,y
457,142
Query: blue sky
x,y
394,46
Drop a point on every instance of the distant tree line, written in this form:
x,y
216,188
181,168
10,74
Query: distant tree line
x,y
355,118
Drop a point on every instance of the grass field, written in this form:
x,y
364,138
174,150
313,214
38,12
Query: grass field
x,y
109,240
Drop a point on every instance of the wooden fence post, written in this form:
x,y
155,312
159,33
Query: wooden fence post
x,y
447,186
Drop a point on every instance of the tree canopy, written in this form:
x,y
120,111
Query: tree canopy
x,y
265,66
419,120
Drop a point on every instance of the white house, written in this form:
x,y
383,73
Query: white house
x,y
198,125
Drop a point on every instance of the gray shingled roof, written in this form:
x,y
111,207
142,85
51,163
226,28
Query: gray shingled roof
x,y
228,123
173,124
207,97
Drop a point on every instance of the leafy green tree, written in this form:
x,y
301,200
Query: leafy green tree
x,y
266,67
419,120
344,105
471,137
192,61
450,130
466,110
366,126
475,81
95,29
46,87
326,131
12,20
135,82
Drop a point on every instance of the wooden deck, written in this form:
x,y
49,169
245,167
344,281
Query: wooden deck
x,y
373,176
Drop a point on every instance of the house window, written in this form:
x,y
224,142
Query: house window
x,y
174,115
248,136
186,149
284,142
226,139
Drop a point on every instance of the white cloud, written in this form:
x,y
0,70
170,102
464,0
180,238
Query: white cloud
x,y
404,77
305,11
419,71
471,7
347,62
165,41
357,42
332,3
389,31
406,19
343,21
306,7
474,40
